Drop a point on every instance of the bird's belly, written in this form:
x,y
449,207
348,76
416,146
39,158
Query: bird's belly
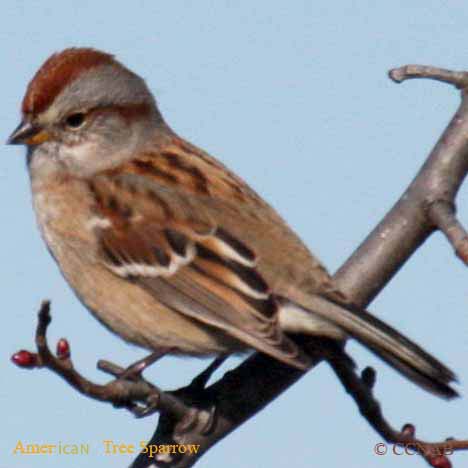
x,y
135,315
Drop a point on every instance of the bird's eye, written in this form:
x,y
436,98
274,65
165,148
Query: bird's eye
x,y
76,120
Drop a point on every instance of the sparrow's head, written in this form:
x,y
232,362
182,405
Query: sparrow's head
x,y
86,111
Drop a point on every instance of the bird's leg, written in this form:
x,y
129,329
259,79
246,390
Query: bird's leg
x,y
151,405
200,381
194,392
133,371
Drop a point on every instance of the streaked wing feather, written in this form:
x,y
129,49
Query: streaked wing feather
x,y
157,239
184,294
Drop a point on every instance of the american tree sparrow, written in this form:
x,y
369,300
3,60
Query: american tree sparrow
x,y
166,246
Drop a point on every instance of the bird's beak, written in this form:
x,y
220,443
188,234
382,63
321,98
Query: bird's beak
x,y
26,133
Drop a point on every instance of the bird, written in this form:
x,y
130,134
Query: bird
x,y
167,247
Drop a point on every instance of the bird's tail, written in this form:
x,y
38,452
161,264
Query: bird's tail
x,y
401,353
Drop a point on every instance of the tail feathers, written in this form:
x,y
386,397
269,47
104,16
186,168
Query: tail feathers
x,y
401,353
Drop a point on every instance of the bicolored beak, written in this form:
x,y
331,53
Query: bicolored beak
x,y
26,133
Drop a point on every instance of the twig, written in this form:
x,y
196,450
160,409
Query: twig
x,y
136,394
408,72
443,216
360,388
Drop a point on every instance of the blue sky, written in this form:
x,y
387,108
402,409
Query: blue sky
x,y
293,96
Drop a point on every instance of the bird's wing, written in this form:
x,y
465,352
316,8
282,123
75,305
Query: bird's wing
x,y
162,238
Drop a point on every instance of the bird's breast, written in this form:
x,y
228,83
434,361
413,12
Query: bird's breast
x,y
63,211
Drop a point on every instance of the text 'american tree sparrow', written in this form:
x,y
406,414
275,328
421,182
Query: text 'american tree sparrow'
x,y
166,246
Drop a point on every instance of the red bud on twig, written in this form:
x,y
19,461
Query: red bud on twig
x,y
63,349
24,359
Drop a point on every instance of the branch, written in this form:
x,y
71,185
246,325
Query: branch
x,y
360,388
408,224
443,216
408,72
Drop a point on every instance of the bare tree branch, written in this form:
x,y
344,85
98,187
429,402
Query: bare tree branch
x,y
408,72
360,389
408,224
